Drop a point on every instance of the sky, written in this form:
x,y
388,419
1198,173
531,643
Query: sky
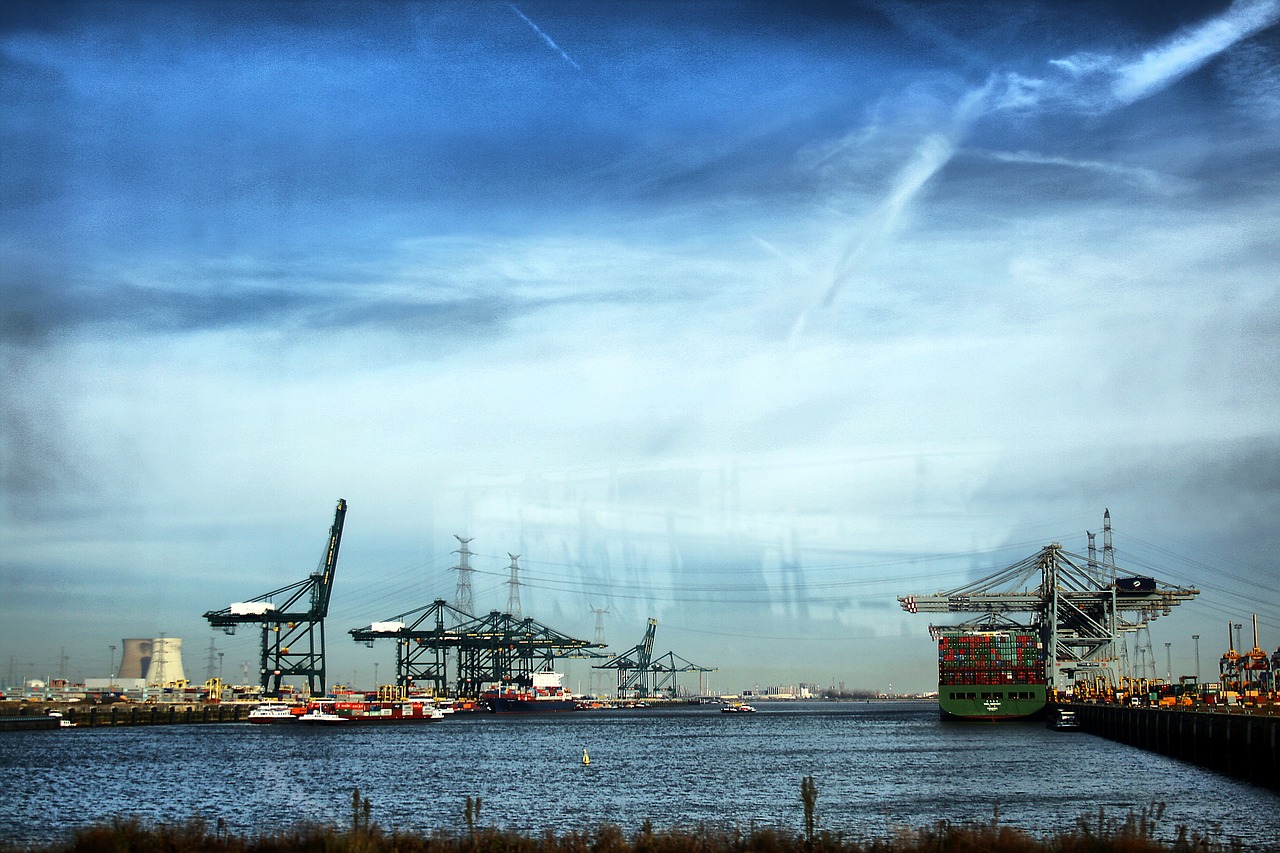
x,y
744,318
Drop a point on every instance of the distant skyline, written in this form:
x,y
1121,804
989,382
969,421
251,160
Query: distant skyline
x,y
745,318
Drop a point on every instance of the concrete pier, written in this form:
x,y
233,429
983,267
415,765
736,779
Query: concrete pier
x,y
128,714
1244,743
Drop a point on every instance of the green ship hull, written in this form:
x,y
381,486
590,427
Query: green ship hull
x,y
992,704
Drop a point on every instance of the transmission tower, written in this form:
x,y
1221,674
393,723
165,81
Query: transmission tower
x,y
211,662
158,663
513,593
1108,552
462,599
599,639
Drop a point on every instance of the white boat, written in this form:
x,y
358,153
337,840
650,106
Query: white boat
x,y
275,712
63,722
737,708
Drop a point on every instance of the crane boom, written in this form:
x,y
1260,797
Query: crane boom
x,y
292,637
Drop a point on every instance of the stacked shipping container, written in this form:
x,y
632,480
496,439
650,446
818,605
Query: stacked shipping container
x,y
1008,658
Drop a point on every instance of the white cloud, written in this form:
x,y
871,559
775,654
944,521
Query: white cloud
x,y
1187,51
1146,179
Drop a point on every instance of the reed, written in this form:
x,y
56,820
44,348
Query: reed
x,y
195,836
1132,833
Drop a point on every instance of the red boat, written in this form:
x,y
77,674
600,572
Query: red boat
x,y
344,712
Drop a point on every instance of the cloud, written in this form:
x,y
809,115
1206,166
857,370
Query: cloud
x,y
1121,84
1186,52
1146,179
455,282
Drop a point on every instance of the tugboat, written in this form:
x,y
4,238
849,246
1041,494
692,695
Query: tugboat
x,y
544,694
1062,719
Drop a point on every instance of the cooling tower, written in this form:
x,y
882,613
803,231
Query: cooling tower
x,y
135,660
166,661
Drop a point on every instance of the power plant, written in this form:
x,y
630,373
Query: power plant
x,y
155,662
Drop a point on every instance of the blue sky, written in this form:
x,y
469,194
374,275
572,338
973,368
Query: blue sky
x,y
743,318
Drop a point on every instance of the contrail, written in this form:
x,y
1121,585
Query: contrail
x,y
1130,82
1145,178
931,155
933,152
545,37
1187,52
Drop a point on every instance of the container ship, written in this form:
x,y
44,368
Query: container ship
x,y
544,694
990,675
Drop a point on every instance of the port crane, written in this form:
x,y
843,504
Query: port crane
x,y
293,628
493,649
1079,608
423,638
643,675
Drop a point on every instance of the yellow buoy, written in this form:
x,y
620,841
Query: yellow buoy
x,y
586,759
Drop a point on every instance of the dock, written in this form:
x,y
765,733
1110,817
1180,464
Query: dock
x,y
1236,741
35,715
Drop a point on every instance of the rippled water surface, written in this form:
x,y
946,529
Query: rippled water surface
x,y
876,766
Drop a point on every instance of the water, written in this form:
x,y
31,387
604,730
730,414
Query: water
x,y
876,766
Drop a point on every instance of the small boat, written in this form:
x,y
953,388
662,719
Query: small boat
x,y
276,712
738,708
1062,720
63,722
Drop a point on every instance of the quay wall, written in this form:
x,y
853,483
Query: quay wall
x,y
133,714
1239,742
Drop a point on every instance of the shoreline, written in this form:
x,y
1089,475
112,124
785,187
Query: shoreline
x,y
1139,832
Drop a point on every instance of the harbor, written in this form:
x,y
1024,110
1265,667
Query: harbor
x,y
879,766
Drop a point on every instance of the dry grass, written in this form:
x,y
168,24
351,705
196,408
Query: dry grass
x,y
1134,833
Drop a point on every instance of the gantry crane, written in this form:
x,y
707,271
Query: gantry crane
x,y
423,639
493,649
1077,607
293,629
641,675
633,664
664,669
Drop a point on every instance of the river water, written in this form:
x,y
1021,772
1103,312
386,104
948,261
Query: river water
x,y
877,767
